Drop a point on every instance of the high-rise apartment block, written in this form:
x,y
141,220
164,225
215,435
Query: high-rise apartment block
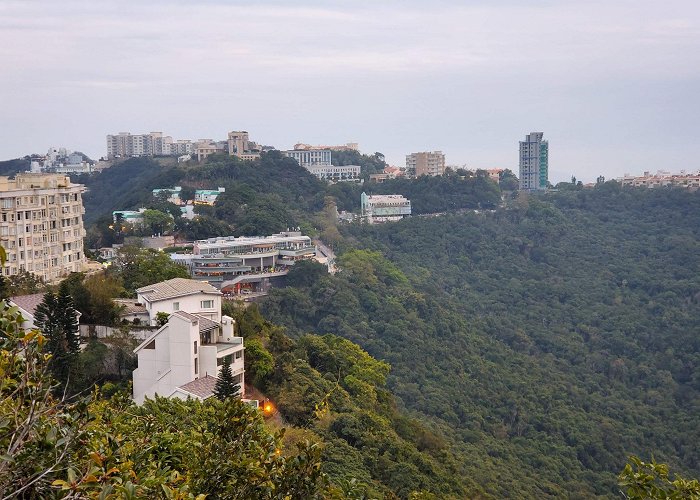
x,y
534,162
125,144
425,163
41,225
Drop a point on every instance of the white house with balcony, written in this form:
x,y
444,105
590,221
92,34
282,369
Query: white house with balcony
x,y
184,357
180,294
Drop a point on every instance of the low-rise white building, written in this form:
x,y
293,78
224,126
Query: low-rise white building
x,y
27,305
337,173
180,294
310,157
207,196
384,207
183,358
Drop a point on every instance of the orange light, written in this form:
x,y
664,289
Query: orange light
x,y
268,408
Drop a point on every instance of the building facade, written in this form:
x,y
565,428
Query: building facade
x,y
126,144
310,157
336,173
384,207
180,294
41,225
207,196
690,181
318,163
534,162
425,163
183,358
248,264
349,146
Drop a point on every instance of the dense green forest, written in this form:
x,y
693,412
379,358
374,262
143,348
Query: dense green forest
x,y
535,345
547,341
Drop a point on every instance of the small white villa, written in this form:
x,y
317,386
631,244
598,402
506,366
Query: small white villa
x,y
180,294
182,359
27,305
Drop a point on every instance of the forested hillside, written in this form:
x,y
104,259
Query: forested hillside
x,y
548,340
264,196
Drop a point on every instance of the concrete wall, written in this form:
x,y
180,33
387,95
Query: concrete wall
x,y
102,332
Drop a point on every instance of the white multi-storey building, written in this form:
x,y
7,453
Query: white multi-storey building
x,y
384,207
185,356
247,264
337,173
41,225
534,162
318,162
310,157
180,294
151,144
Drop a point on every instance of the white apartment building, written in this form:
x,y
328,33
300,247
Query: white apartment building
x,y
384,207
425,163
183,358
534,162
310,157
125,144
41,225
318,163
180,294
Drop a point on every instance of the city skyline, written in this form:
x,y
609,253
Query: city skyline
x,y
612,85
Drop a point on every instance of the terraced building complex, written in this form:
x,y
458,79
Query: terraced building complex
x,y
253,264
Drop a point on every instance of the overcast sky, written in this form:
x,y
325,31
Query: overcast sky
x,y
613,84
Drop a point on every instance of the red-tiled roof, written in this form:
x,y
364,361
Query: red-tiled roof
x,y
131,306
176,287
28,302
201,387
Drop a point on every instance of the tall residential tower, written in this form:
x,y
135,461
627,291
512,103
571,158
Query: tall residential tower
x,y
41,225
425,163
534,162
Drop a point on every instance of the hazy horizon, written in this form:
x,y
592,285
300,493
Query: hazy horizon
x,y
611,84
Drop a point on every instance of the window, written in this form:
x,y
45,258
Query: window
x,y
207,304
239,354
150,345
196,366
195,347
224,360
176,306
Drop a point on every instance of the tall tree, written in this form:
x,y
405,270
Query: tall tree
x,y
226,387
56,317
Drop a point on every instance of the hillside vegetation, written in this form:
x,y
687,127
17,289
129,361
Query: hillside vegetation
x,y
548,341
261,197
535,347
